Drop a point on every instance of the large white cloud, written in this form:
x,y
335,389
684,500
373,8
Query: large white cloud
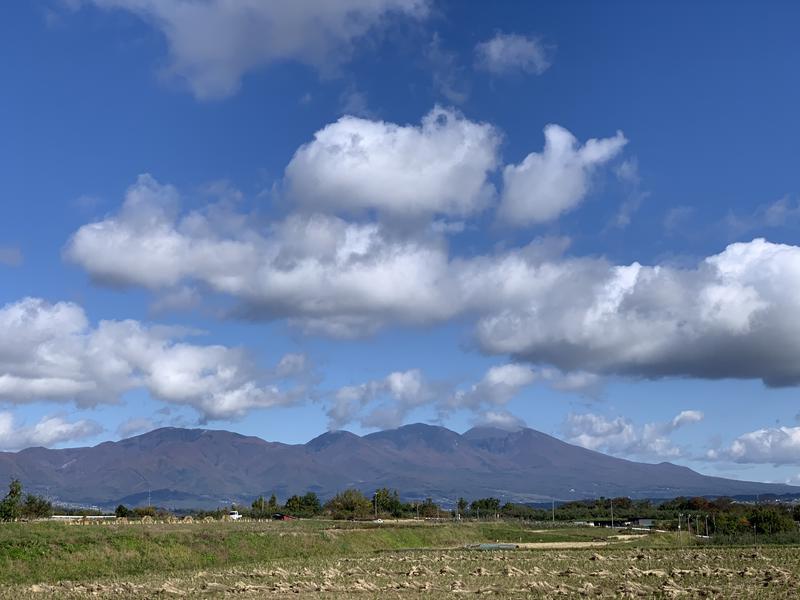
x,y
509,52
547,184
732,315
48,431
327,274
407,172
51,352
621,436
214,43
778,446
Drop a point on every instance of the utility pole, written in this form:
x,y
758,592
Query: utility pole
x,y
612,513
679,527
554,511
149,486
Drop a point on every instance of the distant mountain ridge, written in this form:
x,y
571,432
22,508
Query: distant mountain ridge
x,y
203,467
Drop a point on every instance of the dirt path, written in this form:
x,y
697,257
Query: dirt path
x,y
613,541
563,545
627,537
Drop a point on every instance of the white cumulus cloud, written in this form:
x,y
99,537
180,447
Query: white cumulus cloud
x,y
621,436
322,272
549,183
48,431
731,315
439,167
778,446
497,387
52,352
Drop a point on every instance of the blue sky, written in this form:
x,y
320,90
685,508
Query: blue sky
x,y
277,219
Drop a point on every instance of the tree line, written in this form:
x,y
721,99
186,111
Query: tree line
x,y
348,504
723,516
354,504
17,506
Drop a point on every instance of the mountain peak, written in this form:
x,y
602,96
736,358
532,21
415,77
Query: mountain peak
x,y
165,434
330,438
417,429
418,434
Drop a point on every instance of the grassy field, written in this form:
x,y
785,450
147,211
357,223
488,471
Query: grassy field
x,y
327,559
48,552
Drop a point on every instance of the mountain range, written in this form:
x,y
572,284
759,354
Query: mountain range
x,y
180,468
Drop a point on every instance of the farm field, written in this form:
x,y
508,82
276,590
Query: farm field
x,y
336,560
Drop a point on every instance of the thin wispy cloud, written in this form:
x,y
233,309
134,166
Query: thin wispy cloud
x,y
508,53
10,256
213,44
